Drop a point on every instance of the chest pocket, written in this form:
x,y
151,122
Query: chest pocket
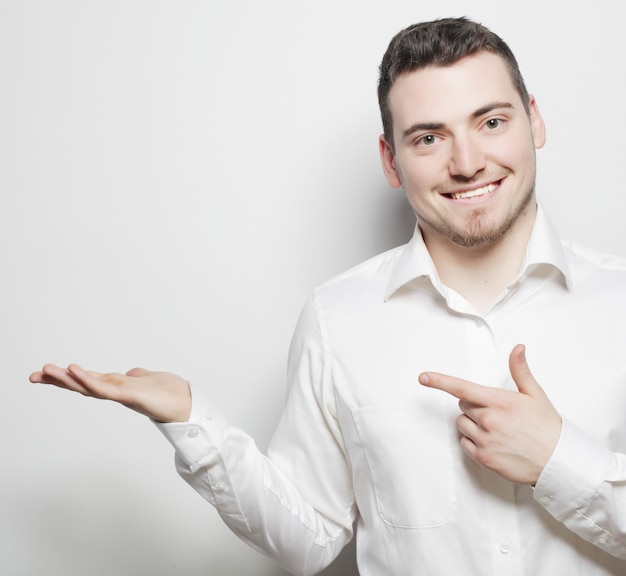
x,y
409,454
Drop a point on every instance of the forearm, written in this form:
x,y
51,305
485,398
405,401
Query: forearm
x,y
255,499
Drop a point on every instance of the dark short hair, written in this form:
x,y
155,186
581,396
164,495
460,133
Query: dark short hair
x,y
439,43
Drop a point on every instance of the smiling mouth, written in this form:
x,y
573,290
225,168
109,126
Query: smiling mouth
x,y
482,191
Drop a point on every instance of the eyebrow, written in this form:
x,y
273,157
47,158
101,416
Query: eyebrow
x,y
489,108
418,127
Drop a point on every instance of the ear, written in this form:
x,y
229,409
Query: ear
x,y
388,161
536,123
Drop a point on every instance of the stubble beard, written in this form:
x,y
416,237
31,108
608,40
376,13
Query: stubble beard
x,y
478,233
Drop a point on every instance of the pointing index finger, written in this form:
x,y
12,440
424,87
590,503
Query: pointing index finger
x,y
457,387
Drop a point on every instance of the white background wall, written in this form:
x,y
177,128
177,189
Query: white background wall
x,y
175,178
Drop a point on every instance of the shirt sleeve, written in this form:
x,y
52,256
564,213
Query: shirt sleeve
x,y
295,505
584,486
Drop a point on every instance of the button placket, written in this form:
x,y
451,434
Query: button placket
x,y
505,547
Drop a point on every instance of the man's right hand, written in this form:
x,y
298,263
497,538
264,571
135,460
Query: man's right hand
x,y
161,396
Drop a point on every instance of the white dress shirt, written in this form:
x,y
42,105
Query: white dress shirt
x,y
361,440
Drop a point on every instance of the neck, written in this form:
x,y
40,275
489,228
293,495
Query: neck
x,y
480,274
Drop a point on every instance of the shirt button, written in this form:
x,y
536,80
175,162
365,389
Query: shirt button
x,y
505,547
220,487
545,500
193,433
479,322
601,541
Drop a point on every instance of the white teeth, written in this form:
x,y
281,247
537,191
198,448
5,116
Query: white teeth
x,y
473,193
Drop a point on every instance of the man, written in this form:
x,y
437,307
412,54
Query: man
x,y
511,478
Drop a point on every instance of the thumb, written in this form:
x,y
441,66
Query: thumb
x,y
523,377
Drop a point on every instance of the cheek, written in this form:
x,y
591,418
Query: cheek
x,y
419,177
420,193
526,166
519,156
415,188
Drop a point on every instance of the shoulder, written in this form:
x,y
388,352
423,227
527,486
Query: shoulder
x,y
586,257
368,279
594,271
345,297
357,291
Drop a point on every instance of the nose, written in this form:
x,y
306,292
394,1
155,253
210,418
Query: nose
x,y
466,158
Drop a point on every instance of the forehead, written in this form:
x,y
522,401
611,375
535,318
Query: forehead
x,y
445,94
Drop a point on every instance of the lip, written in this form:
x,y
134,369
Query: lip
x,y
473,194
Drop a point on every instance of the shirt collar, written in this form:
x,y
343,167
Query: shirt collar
x,y
544,247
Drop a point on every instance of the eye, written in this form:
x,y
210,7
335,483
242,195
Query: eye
x,y
493,123
427,140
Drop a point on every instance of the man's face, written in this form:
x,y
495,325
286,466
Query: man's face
x,y
464,150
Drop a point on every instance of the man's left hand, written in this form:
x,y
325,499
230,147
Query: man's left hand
x,y
511,433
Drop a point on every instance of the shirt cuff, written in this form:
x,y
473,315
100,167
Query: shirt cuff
x,y
574,473
198,438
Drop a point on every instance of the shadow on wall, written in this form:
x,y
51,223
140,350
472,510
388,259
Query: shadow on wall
x,y
345,564
397,222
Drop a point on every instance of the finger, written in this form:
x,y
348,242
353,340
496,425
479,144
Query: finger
x,y
457,387
57,376
110,386
470,448
138,372
467,427
469,434
474,413
37,377
469,408
87,376
520,371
